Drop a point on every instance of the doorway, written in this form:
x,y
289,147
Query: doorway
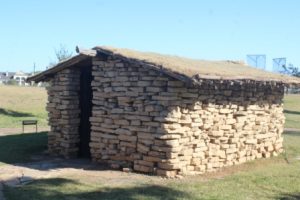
x,y
86,111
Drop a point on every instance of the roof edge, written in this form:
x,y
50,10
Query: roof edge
x,y
83,54
197,78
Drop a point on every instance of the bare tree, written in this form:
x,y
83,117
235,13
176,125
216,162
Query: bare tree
x,y
62,54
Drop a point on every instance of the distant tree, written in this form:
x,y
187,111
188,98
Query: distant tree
x,y
62,54
291,70
12,82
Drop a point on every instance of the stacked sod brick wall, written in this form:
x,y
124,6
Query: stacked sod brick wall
x,y
63,109
153,123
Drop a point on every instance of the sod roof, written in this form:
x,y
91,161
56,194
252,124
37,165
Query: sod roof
x,y
184,69
197,69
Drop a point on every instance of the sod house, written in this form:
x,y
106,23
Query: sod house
x,y
161,114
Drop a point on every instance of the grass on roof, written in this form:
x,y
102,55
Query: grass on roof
x,y
192,67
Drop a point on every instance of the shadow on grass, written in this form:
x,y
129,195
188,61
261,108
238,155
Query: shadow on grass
x,y
295,196
292,133
292,112
27,150
14,113
60,188
19,148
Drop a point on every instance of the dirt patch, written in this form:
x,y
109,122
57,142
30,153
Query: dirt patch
x,y
83,170
292,129
86,171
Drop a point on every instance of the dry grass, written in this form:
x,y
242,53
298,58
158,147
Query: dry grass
x,y
21,103
192,67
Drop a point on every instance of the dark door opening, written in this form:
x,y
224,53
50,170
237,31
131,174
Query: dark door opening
x,y
86,111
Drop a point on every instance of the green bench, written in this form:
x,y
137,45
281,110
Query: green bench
x,y
29,122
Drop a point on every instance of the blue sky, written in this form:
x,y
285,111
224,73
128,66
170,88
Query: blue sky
x,y
211,29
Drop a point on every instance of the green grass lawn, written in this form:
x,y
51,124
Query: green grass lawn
x,y
292,111
275,178
20,103
19,148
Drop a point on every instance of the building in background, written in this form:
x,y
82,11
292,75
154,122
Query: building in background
x,y
5,77
21,77
14,78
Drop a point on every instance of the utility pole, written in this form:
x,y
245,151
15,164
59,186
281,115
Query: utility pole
x,y
34,68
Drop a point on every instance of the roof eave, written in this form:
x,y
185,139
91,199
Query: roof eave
x,y
87,53
83,54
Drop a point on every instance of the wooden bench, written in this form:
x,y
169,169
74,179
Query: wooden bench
x,y
30,122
